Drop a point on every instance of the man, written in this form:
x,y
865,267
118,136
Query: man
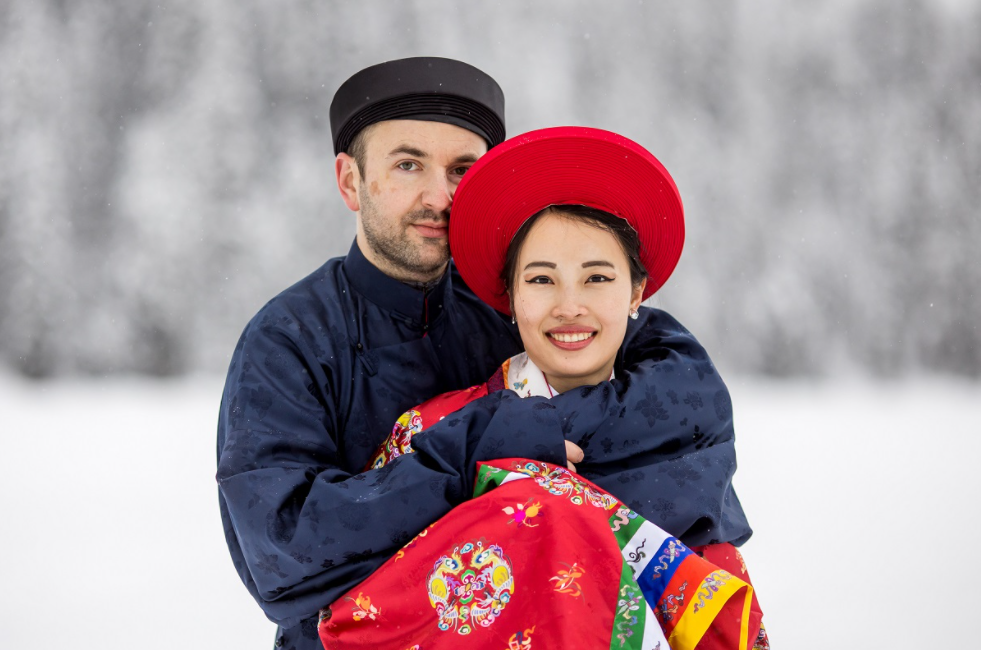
x,y
323,370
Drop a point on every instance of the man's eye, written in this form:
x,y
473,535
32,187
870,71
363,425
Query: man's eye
x,y
407,166
459,171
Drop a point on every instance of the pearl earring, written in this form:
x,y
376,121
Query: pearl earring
x,y
634,314
514,321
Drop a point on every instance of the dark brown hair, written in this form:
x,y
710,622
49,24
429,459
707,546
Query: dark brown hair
x,y
624,233
358,149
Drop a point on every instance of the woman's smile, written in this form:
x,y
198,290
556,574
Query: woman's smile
x,y
571,338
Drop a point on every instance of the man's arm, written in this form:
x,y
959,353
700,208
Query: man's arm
x,y
660,437
300,528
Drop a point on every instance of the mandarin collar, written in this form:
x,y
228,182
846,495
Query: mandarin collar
x,y
392,294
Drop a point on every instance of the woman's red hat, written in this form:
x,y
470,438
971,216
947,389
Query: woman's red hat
x,y
566,165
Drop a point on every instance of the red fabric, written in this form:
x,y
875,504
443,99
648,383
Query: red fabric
x,y
565,579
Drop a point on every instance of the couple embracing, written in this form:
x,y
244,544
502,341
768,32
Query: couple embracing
x,y
505,450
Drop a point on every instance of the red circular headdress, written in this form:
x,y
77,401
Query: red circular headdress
x,y
566,165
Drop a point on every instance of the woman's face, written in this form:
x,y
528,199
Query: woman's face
x,y
572,297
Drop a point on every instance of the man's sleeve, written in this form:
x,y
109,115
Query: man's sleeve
x,y
660,436
300,529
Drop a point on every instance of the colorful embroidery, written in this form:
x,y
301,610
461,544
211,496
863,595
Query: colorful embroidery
x,y
622,517
671,553
561,482
521,640
566,580
742,562
710,585
324,615
470,586
400,442
363,608
762,640
522,516
630,599
670,604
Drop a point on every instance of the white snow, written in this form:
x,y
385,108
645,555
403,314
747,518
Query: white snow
x,y
864,498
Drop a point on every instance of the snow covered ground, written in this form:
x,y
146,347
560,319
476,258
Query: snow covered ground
x,y
863,497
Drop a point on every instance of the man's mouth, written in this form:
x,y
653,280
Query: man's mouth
x,y
432,230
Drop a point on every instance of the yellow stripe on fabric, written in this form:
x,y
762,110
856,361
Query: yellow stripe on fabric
x,y
704,607
744,623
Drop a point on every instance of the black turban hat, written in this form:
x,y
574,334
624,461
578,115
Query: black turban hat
x,y
424,88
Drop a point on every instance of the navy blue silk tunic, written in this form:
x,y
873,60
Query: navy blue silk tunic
x,y
322,372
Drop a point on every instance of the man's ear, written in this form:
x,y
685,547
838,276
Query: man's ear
x,y
348,180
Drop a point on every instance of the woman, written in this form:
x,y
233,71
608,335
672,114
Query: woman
x,y
555,560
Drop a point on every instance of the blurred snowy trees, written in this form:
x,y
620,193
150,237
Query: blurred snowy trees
x,y
166,167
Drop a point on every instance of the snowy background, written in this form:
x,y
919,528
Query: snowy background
x,y
165,168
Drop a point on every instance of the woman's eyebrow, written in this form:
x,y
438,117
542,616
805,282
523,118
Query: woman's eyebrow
x,y
548,265
586,265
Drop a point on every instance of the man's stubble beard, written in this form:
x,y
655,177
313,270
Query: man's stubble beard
x,y
391,242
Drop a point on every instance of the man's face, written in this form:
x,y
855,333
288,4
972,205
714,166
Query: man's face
x,y
411,172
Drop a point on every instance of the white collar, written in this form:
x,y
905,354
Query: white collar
x,y
522,376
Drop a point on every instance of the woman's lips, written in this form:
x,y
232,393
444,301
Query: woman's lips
x,y
433,231
571,339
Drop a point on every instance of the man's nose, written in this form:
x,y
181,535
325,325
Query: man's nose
x,y
438,195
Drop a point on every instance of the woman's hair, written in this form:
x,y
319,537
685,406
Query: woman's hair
x,y
624,233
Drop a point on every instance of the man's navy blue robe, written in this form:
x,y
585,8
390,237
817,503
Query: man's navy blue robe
x,y
322,372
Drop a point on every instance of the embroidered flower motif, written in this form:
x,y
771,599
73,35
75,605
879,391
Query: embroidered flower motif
x,y
565,580
522,516
652,408
363,608
521,640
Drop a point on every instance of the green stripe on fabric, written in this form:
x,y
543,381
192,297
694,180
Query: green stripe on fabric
x,y
623,527
489,478
631,616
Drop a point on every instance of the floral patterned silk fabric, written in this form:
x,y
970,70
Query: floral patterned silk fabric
x,y
542,558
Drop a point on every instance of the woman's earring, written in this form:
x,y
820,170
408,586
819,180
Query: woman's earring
x,y
514,321
634,314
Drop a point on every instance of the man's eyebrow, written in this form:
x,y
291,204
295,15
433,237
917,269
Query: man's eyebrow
x,y
466,158
547,265
586,265
408,150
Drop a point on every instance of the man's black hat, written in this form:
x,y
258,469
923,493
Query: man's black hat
x,y
424,88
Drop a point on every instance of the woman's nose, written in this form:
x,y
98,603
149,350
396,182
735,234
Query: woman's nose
x,y
569,305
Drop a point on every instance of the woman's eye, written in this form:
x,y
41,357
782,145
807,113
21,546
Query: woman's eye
x,y
599,278
539,279
407,166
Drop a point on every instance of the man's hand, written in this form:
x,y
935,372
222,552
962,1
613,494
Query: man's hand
x,y
573,454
